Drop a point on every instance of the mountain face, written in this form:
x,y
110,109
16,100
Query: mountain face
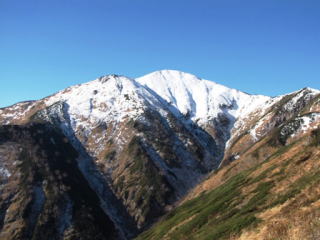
x,y
109,157
268,187
43,192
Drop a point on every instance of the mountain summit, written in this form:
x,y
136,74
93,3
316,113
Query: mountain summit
x,y
201,99
115,154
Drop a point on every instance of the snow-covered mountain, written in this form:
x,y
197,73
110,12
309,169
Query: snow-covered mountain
x,y
200,99
184,93
143,143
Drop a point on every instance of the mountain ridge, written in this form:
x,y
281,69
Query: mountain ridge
x,y
144,143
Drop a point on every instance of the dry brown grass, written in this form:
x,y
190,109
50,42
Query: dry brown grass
x,y
300,224
298,218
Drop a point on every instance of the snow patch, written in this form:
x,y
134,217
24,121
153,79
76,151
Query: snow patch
x,y
4,172
308,121
306,93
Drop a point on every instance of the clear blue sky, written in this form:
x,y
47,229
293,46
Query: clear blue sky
x,y
266,47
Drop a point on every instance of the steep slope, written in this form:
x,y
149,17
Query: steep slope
x,y
269,191
277,199
43,193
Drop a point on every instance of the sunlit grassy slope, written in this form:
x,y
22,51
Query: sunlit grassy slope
x,y
278,198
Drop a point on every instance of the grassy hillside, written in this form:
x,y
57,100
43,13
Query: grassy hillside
x,y
278,198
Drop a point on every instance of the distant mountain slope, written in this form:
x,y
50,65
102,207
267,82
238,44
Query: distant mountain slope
x,y
144,143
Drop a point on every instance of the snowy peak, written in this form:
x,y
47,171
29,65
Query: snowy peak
x,y
113,97
104,87
172,75
200,99
108,98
